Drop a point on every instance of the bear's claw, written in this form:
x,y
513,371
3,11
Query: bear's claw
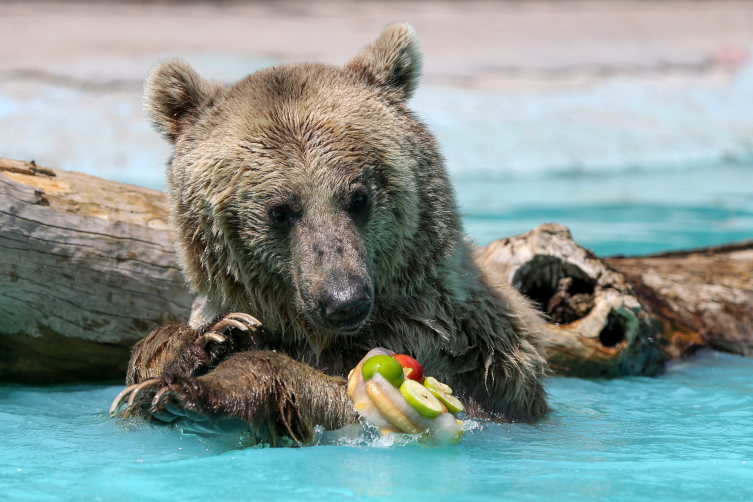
x,y
210,337
170,406
162,403
150,384
120,398
238,320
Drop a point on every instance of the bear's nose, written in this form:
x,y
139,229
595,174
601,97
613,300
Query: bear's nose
x,y
348,305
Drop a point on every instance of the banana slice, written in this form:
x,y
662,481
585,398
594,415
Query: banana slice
x,y
389,410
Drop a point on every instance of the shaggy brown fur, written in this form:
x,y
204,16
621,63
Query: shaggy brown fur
x,y
306,185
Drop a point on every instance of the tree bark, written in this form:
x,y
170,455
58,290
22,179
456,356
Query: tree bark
x,y
628,316
703,298
87,268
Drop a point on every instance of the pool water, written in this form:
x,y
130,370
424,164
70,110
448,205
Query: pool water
x,y
627,213
683,436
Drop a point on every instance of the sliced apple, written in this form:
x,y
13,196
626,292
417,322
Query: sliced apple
x,y
386,366
438,389
411,367
421,399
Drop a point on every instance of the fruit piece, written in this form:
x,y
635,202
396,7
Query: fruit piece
x,y
445,429
378,351
353,382
387,366
456,439
421,399
390,411
411,367
438,389
441,385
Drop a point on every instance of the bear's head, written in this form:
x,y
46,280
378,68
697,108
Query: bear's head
x,y
308,195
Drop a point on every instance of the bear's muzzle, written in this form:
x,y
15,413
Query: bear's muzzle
x,y
348,304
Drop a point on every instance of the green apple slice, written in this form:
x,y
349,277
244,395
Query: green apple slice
x,y
421,399
386,366
438,389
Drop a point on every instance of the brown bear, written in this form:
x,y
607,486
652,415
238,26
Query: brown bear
x,y
310,197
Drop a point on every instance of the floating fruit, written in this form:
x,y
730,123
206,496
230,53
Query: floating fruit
x,y
421,399
438,389
386,366
411,367
395,403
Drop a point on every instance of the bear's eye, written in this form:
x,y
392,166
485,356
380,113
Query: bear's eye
x,y
358,200
279,214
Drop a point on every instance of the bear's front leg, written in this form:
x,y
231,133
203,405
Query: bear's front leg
x,y
180,350
267,393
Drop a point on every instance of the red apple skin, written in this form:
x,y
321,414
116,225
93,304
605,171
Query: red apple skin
x,y
408,362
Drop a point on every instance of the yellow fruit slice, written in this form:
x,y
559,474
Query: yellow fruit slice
x,y
390,411
389,430
421,399
353,380
438,389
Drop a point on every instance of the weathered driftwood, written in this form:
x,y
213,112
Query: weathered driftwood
x,y
627,316
87,267
702,297
597,326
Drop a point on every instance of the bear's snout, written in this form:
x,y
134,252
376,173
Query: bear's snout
x,y
332,276
348,304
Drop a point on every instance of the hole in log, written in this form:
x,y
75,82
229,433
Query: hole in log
x,y
613,333
561,289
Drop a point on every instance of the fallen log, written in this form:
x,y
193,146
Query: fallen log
x,y
87,268
703,298
628,316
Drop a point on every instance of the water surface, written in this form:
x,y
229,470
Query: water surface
x,y
682,436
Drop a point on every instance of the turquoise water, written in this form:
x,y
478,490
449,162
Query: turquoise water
x,y
683,436
628,213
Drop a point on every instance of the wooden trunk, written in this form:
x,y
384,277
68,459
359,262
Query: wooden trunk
x,y
628,316
87,268
702,298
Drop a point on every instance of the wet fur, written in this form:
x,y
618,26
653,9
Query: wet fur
x,y
305,135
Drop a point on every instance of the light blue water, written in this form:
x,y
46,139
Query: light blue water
x,y
632,212
683,436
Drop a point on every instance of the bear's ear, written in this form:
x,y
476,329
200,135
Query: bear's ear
x,y
393,60
175,95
